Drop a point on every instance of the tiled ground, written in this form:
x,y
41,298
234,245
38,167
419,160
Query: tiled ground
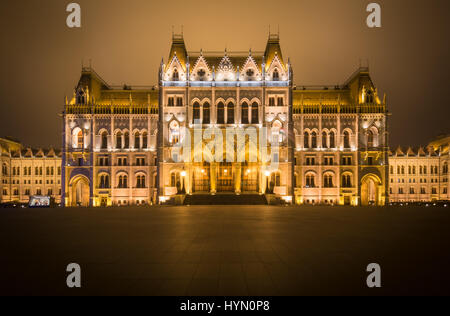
x,y
238,250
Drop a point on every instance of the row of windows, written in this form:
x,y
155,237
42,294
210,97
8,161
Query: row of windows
x,y
172,101
424,180
29,182
201,75
121,161
328,181
38,171
249,114
27,192
122,140
327,161
422,191
50,171
422,169
122,182
328,140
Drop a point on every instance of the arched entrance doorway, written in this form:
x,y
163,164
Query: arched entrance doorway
x,y
370,190
79,192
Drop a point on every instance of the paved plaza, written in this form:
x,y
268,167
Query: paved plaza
x,y
225,250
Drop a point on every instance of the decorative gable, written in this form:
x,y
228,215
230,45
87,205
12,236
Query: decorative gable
x,y
250,71
225,70
175,71
276,70
201,70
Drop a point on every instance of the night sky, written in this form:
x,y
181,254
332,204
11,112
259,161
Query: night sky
x,y
325,39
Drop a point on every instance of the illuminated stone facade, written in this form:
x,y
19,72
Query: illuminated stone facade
x,y
309,145
27,171
109,144
248,94
420,174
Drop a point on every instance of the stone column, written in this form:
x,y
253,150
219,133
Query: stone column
x,y
189,178
212,177
237,178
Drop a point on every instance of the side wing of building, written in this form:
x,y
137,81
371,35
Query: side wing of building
x,y
109,144
341,143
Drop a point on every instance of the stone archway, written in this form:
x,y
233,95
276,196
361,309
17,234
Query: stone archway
x,y
80,192
371,190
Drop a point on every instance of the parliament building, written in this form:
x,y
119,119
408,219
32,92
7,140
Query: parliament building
x,y
228,124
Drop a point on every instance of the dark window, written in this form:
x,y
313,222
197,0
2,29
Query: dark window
x,y
244,119
314,140
230,113
119,140
306,140
206,114
104,144
127,140
324,140
276,75
175,76
137,140
332,140
144,140
346,139
220,113
271,101
196,112
369,139
255,113
280,101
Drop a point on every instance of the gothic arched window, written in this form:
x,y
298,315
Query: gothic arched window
x,y
244,118
346,139
328,181
310,181
206,114
81,97
313,140
196,112
119,140
276,75
370,138
324,140
127,140
255,113
220,113
306,140
230,113
144,140
104,143
175,75
369,96
332,140
137,140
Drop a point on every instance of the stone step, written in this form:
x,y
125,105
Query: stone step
x,y
225,199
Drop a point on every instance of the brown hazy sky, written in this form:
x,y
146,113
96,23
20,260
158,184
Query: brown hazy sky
x,y
325,39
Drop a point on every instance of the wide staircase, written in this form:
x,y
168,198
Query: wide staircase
x,y
225,199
